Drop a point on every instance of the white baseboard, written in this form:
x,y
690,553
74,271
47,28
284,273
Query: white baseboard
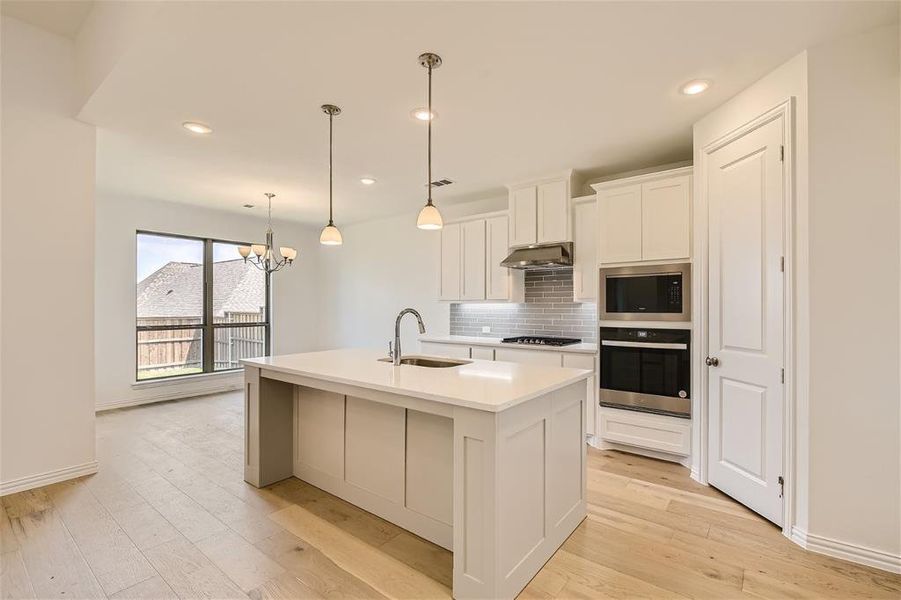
x,y
847,551
174,391
41,479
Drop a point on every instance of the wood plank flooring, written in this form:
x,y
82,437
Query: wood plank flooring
x,y
169,516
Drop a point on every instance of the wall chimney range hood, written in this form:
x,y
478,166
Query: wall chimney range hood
x,y
541,256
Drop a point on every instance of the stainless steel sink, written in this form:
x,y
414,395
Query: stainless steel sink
x,y
431,362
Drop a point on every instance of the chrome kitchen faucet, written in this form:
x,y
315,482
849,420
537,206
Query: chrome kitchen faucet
x,y
394,353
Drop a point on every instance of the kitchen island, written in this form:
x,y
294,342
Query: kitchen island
x,y
484,458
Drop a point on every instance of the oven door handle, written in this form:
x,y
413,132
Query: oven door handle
x,y
662,346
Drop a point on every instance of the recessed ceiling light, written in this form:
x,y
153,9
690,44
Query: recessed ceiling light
x,y
367,180
195,127
422,114
695,87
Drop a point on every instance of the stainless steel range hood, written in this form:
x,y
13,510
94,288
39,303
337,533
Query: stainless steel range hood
x,y
541,256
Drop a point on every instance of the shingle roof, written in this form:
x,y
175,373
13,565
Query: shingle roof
x,y
176,290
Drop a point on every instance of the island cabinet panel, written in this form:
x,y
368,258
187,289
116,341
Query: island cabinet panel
x,y
320,431
374,448
521,467
430,465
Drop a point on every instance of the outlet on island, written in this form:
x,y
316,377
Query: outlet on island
x,y
486,329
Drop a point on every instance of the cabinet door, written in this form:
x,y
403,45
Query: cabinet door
x,y
586,361
523,215
532,357
585,260
473,260
482,353
619,218
498,277
451,261
553,212
665,219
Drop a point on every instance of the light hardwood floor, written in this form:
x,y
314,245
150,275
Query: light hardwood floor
x,y
170,516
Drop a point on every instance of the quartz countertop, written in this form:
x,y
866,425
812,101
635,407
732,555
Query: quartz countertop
x,y
495,342
481,384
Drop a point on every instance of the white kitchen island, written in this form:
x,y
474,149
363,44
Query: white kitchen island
x,y
486,459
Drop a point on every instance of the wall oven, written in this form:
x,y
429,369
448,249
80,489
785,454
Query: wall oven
x,y
646,370
646,293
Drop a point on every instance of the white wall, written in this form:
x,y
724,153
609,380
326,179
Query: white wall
x,y
384,266
47,254
846,272
296,290
854,296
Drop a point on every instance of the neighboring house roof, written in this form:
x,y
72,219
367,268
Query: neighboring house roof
x,y
176,290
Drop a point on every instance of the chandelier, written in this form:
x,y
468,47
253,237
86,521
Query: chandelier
x,y
264,257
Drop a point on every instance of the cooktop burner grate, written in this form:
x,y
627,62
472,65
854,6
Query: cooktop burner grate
x,y
538,340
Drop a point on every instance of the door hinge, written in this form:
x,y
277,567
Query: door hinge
x,y
782,264
783,375
781,486
782,153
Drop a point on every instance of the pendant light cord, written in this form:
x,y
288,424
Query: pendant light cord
x,y
430,134
330,118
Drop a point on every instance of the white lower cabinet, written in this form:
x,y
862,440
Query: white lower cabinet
x,y
482,353
532,357
586,361
446,350
644,430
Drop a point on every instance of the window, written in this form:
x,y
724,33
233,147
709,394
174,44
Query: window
x,y
200,308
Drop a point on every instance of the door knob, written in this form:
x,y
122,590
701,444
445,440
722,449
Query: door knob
x,y
712,361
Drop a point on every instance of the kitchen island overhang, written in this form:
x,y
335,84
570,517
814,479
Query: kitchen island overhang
x,y
486,459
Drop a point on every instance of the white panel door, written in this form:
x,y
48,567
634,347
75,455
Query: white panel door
x,y
451,261
746,194
665,219
473,260
619,220
553,212
523,215
585,253
497,277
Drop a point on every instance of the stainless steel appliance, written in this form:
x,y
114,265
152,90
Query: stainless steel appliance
x,y
541,340
647,370
646,293
541,256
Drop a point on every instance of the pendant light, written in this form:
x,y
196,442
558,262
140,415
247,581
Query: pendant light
x,y
429,217
265,257
330,235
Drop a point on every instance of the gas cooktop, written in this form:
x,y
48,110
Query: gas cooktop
x,y
541,340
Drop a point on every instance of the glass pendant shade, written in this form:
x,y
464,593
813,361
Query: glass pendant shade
x,y
288,253
429,218
244,251
259,249
330,236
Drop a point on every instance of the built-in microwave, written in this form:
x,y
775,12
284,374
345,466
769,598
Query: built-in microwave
x,y
646,293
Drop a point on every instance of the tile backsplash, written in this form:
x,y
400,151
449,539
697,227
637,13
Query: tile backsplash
x,y
548,310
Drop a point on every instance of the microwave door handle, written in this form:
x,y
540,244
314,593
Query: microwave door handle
x,y
616,344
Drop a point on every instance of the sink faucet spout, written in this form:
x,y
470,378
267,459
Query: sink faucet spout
x,y
400,316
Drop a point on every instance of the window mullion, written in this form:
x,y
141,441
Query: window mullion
x,y
208,332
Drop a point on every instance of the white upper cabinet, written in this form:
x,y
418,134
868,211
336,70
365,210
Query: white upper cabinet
x,y
498,278
645,218
619,221
524,216
585,262
540,211
553,212
665,226
471,255
473,260
451,261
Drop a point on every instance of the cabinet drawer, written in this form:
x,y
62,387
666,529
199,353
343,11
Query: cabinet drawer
x,y
446,350
482,353
654,432
532,357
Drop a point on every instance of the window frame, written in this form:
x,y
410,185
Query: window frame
x,y
207,326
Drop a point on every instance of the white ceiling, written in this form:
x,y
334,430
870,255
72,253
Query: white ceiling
x,y
526,89
63,17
